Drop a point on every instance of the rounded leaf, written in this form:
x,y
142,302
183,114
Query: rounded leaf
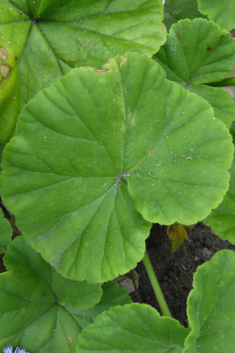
x,y
134,327
211,306
221,12
100,146
42,40
209,57
222,219
38,307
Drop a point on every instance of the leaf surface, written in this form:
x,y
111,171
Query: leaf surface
x,y
221,12
5,232
35,299
211,306
175,10
222,219
43,40
209,57
134,327
100,149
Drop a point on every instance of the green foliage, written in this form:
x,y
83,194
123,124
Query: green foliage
x,y
175,10
222,219
196,53
141,329
35,298
211,306
90,175
99,154
43,40
5,232
134,327
221,12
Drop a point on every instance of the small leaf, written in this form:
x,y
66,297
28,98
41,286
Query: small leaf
x,y
222,219
37,305
43,40
176,10
177,233
113,295
210,57
211,306
5,232
134,327
221,12
96,156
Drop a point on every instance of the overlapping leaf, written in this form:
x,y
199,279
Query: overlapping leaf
x,y
38,307
100,146
5,232
176,10
221,12
134,327
197,53
222,219
211,306
42,40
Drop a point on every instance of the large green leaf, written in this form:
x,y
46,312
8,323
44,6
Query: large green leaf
x,y
221,12
132,328
196,53
101,144
5,232
222,219
38,307
176,10
42,40
1,151
211,306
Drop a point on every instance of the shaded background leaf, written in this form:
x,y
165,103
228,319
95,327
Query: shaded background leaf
x,y
175,10
209,57
221,12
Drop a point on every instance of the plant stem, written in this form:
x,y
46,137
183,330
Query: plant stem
x,y
230,81
156,287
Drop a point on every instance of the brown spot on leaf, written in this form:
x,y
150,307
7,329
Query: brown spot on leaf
x,y
178,35
70,341
102,70
11,8
3,54
208,48
4,71
150,153
122,60
16,58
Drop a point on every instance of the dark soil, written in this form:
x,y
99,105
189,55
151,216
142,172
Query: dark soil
x,y
175,270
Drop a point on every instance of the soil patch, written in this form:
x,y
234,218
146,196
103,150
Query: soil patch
x,y
175,270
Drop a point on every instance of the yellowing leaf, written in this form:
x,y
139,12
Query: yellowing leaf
x,y
177,233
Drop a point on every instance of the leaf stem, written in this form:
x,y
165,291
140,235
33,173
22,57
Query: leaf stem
x,y
156,287
230,81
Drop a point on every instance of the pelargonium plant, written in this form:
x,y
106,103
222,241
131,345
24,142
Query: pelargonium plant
x,y
108,124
